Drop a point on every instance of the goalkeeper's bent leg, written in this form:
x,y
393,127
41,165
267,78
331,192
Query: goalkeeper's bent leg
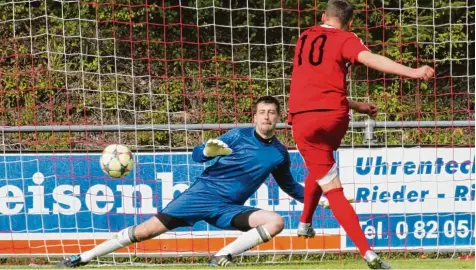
x,y
246,241
149,229
264,225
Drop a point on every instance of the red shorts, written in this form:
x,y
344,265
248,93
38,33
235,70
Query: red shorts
x,y
317,135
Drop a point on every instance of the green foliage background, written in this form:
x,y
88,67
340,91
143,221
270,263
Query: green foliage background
x,y
139,62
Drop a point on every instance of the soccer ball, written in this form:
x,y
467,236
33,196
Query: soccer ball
x,y
117,160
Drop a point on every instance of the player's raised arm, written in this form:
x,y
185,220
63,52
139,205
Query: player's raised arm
x,y
384,64
215,147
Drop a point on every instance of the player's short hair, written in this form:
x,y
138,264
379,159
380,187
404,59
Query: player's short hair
x,y
340,9
268,100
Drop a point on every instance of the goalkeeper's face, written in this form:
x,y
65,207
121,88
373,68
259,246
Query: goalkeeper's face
x,y
266,118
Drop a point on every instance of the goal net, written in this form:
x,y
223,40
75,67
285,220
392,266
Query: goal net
x,y
164,76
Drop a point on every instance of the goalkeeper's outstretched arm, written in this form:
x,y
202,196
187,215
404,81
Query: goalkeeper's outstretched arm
x,y
215,147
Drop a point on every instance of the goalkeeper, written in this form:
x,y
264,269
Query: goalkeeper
x,y
244,159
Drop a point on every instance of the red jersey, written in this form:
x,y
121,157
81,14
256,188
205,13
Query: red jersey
x,y
322,57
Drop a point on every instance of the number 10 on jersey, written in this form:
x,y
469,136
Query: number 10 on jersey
x,y
319,42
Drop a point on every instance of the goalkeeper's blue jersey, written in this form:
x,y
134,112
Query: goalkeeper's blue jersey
x,y
237,176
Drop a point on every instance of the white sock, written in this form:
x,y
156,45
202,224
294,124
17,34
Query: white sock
x,y
246,241
304,225
122,239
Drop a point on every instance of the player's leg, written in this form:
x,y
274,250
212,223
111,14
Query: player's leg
x,y
339,204
305,126
144,231
149,229
343,210
312,196
317,146
259,226
326,140
183,211
348,219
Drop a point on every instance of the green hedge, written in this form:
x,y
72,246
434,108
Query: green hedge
x,y
71,63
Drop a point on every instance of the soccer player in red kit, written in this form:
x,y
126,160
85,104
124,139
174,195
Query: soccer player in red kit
x,y
319,113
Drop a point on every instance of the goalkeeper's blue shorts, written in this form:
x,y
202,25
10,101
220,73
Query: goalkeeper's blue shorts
x,y
199,202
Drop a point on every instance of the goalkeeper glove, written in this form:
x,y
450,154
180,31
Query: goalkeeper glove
x,y
215,147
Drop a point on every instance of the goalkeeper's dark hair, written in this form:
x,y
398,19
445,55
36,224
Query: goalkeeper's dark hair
x,y
340,9
268,100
